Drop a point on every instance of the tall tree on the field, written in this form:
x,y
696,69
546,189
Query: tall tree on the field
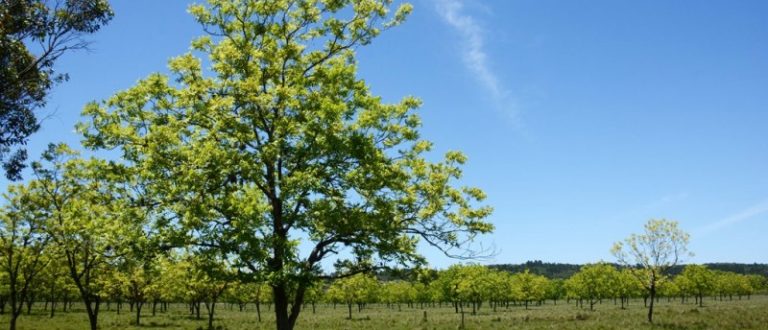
x,y
662,246
33,35
283,142
23,243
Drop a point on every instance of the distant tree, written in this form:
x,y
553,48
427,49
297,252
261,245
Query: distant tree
x,y
627,286
595,282
27,72
527,287
662,246
359,289
758,282
699,280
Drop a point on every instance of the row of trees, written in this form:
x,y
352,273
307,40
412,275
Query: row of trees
x,y
188,279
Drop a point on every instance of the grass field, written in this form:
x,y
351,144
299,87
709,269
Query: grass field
x,y
736,314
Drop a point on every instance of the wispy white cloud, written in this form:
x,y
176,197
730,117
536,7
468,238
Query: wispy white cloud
x,y
746,214
474,53
666,200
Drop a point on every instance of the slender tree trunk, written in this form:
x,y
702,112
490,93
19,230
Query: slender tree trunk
x,y
211,308
650,306
138,313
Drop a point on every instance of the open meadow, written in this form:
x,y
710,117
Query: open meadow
x,y
735,314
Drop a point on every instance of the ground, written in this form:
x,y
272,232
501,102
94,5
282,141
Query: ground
x,y
735,314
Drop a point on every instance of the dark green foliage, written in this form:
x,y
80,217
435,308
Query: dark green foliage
x,y
550,270
26,75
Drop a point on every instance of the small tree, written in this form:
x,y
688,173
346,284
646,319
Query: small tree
x,y
700,281
595,282
358,289
662,246
86,219
529,287
23,243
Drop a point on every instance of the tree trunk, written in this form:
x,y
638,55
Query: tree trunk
x,y
92,307
650,306
138,313
211,308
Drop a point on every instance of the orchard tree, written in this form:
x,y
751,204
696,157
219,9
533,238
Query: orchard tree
x,y
627,286
699,280
472,284
23,245
595,282
662,246
501,288
527,287
33,35
277,139
359,289
89,220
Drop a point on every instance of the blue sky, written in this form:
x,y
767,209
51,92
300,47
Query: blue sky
x,y
581,119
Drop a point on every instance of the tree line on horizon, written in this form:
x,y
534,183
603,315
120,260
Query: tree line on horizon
x,y
564,270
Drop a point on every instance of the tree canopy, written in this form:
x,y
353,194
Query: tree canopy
x,y
33,35
272,137
662,246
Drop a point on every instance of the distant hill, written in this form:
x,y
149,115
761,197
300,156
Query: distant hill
x,y
560,270
551,270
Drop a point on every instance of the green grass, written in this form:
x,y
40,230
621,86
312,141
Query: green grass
x,y
736,314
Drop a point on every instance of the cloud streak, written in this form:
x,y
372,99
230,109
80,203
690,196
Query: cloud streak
x,y
746,214
474,54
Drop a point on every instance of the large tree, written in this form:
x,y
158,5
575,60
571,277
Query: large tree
x,y
652,253
273,138
33,35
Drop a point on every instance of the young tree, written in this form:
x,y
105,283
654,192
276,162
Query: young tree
x,y
26,73
359,289
627,286
23,244
662,246
89,220
699,280
285,141
527,287
595,282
